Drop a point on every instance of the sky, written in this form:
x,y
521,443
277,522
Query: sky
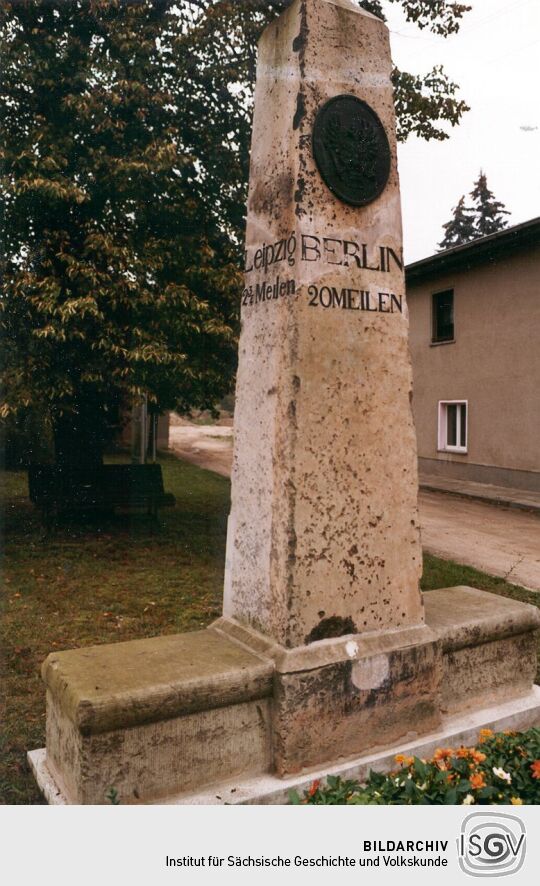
x,y
495,58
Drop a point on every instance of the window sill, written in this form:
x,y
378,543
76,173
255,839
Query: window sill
x,y
454,450
436,344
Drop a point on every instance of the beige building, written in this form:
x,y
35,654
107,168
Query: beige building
x,y
475,342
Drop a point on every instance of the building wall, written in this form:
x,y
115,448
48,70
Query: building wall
x,y
494,363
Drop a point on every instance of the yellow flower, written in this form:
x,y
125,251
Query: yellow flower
x,y
485,734
516,801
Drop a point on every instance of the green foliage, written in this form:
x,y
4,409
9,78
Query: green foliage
x,y
439,16
504,769
119,276
485,216
112,797
423,103
125,167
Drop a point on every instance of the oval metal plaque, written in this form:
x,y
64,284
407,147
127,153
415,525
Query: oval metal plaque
x,y
351,150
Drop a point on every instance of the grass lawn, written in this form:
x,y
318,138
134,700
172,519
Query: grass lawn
x,y
118,580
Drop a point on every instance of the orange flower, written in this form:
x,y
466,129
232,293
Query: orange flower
x,y
404,760
314,788
516,801
477,781
463,753
478,756
442,754
535,769
485,734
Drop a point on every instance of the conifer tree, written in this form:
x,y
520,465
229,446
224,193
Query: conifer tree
x,y
461,227
489,212
484,217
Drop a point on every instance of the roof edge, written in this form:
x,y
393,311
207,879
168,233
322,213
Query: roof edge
x,y
477,251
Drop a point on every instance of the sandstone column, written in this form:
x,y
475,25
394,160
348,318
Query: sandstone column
x,y
323,533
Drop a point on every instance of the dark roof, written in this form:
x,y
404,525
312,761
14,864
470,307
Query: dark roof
x,y
485,249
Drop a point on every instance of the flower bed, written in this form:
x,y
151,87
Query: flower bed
x,y
503,768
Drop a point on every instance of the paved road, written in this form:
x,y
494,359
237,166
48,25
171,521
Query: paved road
x,y
499,541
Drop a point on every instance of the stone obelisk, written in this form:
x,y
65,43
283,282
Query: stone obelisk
x,y
323,536
323,533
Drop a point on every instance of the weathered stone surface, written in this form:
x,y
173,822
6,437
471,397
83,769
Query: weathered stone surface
x,y
456,730
342,709
101,688
323,533
489,645
464,616
239,713
152,761
151,716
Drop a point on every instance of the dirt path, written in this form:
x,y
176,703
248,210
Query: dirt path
x,y
499,541
208,446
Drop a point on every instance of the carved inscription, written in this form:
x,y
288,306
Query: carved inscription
x,y
346,298
265,291
327,250
291,251
355,299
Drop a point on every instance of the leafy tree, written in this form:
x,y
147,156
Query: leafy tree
x,y
485,216
127,128
118,277
461,227
489,212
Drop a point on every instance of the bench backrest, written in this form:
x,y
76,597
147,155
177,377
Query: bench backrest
x,y
49,483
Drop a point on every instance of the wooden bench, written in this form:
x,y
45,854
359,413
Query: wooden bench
x,y
57,490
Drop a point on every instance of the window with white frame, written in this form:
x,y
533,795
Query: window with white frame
x,y
453,425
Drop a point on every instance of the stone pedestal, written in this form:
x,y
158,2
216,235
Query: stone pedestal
x,y
327,652
200,718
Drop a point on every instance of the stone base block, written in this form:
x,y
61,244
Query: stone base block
x,y
338,697
489,646
455,730
151,717
159,718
